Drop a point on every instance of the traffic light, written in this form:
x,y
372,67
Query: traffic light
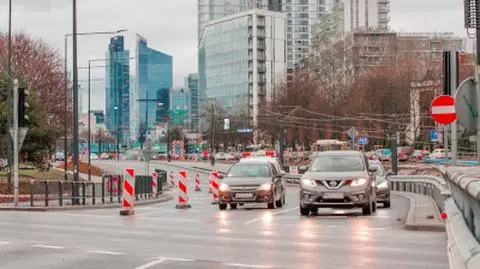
x,y
23,107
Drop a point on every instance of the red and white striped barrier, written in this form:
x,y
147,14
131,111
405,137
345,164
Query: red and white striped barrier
x,y
182,191
172,179
197,182
215,186
154,183
128,201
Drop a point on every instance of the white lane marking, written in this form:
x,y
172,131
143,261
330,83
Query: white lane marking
x,y
48,246
175,259
3,243
150,264
105,252
274,214
247,265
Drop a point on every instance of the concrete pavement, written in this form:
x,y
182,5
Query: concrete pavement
x,y
159,236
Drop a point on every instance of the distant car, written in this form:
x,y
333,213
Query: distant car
x,y
382,183
439,154
231,156
104,156
59,156
3,163
252,181
402,157
93,156
338,179
220,156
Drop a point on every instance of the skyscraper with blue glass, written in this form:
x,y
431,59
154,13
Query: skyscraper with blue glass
x,y
154,77
117,90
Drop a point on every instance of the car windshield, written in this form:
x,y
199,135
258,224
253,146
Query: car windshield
x,y
338,163
380,170
249,170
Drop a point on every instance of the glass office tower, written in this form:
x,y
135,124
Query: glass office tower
x,y
154,77
117,90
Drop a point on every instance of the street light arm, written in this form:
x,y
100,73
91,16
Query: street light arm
x,y
98,33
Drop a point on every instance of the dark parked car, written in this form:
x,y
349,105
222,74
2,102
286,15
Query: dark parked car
x,y
338,179
382,183
252,181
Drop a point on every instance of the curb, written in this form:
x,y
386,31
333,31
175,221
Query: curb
x,y
410,222
163,198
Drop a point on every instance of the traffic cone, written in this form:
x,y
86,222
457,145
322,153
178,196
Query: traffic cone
x,y
182,191
197,182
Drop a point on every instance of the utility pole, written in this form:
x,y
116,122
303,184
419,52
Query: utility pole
x,y
212,135
15,142
280,142
9,98
394,143
75,190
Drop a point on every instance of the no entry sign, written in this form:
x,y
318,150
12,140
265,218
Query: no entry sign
x,y
443,109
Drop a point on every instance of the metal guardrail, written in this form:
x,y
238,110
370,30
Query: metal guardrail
x,y
463,222
85,193
465,185
432,186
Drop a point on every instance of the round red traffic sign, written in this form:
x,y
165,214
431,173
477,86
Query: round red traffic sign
x,y
443,109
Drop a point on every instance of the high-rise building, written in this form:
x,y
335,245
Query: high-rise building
x,y
118,90
301,16
179,106
366,15
191,84
241,59
154,79
209,10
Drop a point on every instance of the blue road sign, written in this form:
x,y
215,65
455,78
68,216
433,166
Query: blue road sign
x,y
362,140
434,136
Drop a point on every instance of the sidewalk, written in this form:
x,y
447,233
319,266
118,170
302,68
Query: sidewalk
x,y
423,213
95,179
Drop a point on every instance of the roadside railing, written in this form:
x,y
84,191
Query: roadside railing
x,y
53,193
465,186
463,221
432,186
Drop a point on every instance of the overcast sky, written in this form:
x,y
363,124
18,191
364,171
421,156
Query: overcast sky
x,y
171,27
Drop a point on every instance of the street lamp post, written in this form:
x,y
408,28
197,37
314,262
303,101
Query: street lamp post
x,y
66,78
9,96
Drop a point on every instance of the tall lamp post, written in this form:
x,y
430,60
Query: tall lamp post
x,y
66,79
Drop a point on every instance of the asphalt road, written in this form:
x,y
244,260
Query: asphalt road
x,y
159,236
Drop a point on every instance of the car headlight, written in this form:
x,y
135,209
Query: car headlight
x,y
265,187
383,185
358,182
308,182
223,187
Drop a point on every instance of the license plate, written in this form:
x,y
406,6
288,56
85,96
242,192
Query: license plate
x,y
244,195
333,195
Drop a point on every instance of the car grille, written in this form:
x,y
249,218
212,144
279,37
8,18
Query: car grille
x,y
244,188
331,184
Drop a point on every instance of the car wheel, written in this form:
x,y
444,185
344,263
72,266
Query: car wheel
x,y
233,206
279,203
367,209
374,207
386,204
271,205
304,211
314,211
222,206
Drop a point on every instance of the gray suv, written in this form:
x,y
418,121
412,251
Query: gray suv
x,y
338,179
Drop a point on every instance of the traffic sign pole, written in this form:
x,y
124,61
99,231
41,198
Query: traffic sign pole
x,y
453,87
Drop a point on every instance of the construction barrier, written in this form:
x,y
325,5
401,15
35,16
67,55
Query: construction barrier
x,y
182,191
172,179
215,185
128,192
154,183
197,182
